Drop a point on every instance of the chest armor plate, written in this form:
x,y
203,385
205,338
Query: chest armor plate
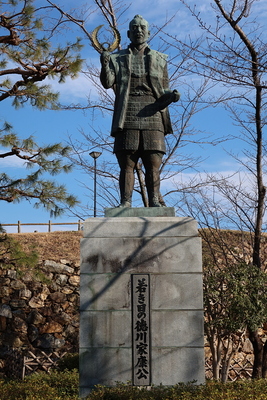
x,y
142,112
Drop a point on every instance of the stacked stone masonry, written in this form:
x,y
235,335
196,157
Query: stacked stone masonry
x,y
39,308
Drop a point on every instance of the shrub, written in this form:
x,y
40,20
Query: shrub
x,y
42,386
240,390
68,362
64,386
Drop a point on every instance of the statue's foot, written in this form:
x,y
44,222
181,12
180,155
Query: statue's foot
x,y
125,204
155,204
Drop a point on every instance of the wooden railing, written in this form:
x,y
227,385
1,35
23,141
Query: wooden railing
x,y
238,369
21,364
19,224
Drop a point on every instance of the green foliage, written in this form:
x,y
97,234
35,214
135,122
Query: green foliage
x,y
12,255
49,159
68,362
28,55
64,386
211,391
235,297
56,386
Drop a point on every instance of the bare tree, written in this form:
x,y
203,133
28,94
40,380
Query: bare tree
x,y
232,53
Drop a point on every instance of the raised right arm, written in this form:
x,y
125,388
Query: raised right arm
x,y
107,74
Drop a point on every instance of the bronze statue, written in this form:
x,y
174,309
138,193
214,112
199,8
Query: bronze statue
x,y
139,78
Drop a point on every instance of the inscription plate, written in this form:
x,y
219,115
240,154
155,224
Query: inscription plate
x,y
141,329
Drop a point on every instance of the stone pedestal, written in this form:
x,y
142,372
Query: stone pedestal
x,y
123,333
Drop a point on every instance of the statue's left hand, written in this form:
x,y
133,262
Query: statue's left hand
x,y
167,98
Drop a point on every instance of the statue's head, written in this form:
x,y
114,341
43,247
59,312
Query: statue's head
x,y
138,31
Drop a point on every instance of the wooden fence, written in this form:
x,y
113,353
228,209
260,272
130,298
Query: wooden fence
x,y
238,369
22,364
49,224
41,362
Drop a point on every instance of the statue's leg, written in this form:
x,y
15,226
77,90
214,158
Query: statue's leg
x,y
152,162
127,162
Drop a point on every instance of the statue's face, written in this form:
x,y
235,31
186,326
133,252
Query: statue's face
x,y
138,32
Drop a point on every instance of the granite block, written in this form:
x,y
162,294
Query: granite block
x,y
150,255
104,366
105,292
139,227
176,291
177,328
126,212
105,329
168,249
174,365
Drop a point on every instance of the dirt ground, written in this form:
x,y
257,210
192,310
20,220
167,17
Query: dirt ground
x,y
53,245
60,245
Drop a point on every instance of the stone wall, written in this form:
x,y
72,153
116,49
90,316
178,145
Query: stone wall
x,y
39,308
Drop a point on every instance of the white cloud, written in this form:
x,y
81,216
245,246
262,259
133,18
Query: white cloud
x,y
74,90
10,161
235,178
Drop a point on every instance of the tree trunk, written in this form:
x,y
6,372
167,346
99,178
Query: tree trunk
x,y
258,354
261,190
216,351
264,361
229,353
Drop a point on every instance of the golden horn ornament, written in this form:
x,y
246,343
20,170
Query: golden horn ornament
x,y
100,46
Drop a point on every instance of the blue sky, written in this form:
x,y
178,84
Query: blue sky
x,y
52,126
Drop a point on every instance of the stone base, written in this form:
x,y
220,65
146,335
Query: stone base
x,y
166,249
140,212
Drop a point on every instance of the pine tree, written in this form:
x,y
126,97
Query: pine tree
x,y
27,57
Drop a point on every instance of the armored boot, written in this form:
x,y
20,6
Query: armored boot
x,y
152,185
154,201
125,203
126,187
